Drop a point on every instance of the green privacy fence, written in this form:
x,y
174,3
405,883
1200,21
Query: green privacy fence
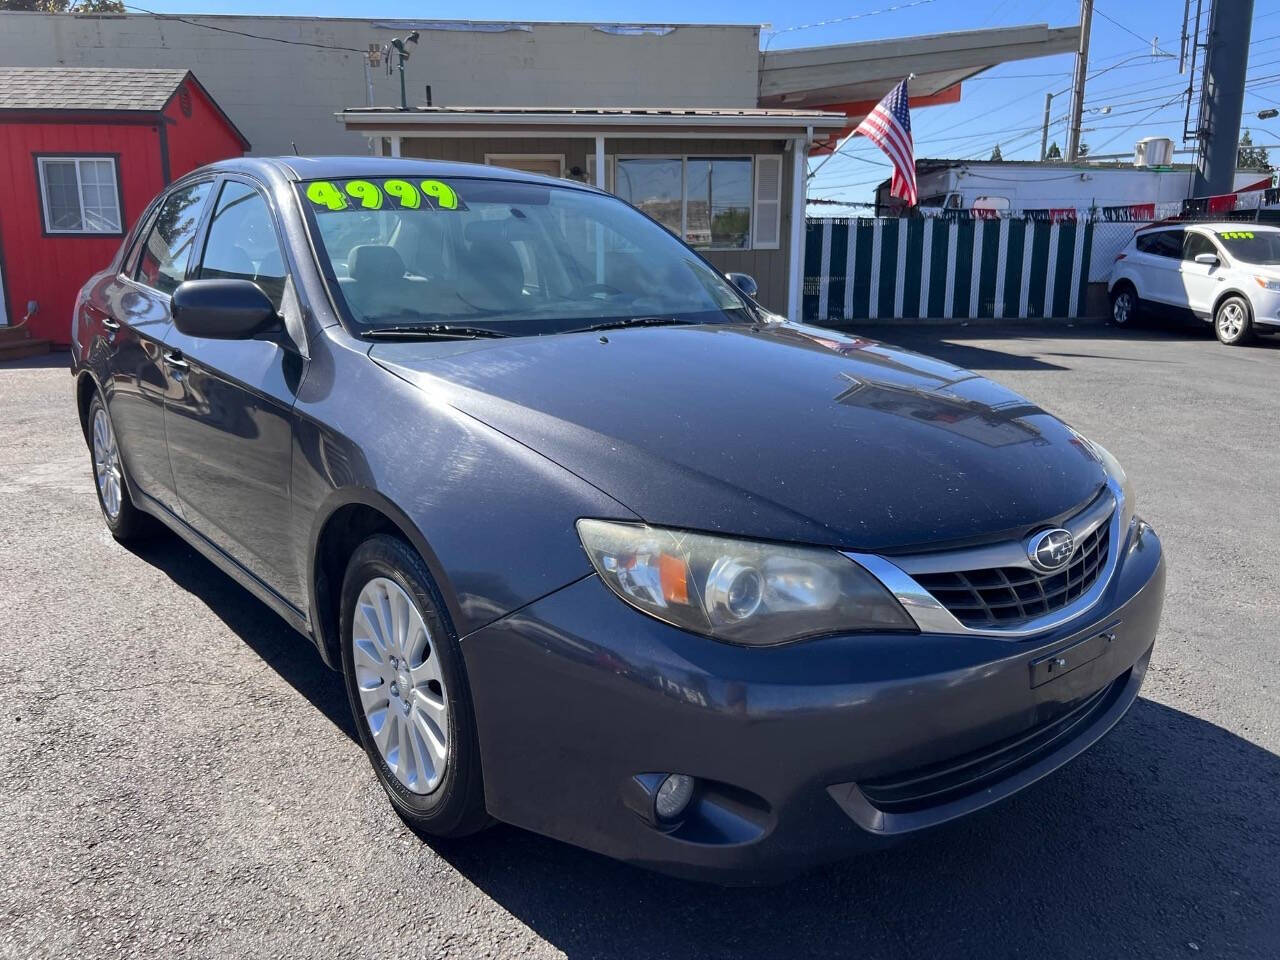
x,y
859,269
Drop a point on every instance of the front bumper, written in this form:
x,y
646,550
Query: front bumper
x,y
805,752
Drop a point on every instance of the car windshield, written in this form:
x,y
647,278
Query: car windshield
x,y
1252,246
494,257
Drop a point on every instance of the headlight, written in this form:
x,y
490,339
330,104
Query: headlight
x,y
1267,284
1121,479
737,590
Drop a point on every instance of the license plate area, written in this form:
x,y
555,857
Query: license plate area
x,y
1064,660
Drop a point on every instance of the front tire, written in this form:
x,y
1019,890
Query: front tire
x,y
125,521
407,685
1124,305
1233,321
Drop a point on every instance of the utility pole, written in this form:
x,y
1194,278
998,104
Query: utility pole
x,y
1044,132
1222,96
1077,82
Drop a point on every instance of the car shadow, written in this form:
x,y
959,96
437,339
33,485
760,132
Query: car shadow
x,y
1162,840
281,647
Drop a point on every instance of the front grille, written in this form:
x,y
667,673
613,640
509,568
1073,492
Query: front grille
x,y
939,783
1007,596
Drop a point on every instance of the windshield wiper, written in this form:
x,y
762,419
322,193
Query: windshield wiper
x,y
634,322
433,331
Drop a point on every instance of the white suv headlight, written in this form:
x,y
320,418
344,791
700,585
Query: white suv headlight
x,y
1268,284
738,590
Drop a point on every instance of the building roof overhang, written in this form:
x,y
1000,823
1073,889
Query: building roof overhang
x,y
849,73
677,122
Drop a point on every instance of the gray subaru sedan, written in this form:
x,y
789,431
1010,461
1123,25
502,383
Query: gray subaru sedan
x,y
602,548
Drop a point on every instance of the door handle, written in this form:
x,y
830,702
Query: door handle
x,y
173,358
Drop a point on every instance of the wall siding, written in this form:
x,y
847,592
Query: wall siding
x,y
282,92
51,269
768,267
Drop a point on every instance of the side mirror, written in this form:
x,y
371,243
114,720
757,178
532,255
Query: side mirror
x,y
744,282
1208,259
222,309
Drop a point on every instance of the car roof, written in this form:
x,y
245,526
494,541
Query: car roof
x,y
1217,225
343,168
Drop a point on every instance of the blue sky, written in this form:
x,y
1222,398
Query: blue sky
x,y
1005,105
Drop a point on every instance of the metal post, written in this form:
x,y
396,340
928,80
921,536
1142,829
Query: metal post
x,y
1044,133
404,97
799,183
368,80
1077,83
1222,97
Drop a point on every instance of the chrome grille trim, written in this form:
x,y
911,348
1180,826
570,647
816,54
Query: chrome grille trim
x,y
931,616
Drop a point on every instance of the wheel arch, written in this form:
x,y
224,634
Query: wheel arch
x,y
349,517
1230,292
1124,280
86,387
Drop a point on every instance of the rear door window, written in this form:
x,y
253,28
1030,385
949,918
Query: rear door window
x,y
167,250
1162,243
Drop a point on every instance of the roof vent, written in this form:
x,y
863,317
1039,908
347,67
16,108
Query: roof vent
x,y
1153,152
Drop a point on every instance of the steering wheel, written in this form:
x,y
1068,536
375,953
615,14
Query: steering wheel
x,y
590,289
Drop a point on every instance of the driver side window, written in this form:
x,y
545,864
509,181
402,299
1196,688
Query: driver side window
x,y
242,242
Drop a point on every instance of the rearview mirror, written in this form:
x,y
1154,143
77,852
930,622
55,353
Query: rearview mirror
x,y
1208,259
222,309
744,282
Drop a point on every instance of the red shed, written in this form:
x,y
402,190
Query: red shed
x,y
82,152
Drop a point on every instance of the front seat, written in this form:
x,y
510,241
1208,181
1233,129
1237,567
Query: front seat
x,y
378,285
492,277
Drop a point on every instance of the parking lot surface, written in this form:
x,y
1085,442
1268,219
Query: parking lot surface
x,y
179,775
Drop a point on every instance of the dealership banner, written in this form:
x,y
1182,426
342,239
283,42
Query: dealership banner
x,y
867,269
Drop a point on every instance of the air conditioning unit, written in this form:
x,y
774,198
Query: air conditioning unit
x,y
1153,152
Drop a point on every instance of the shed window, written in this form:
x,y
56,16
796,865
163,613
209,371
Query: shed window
x,y
80,194
706,200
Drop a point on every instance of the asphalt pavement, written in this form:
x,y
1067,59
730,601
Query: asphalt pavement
x,y
179,775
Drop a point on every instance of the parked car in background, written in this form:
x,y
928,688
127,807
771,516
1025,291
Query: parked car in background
x,y
1227,274
600,548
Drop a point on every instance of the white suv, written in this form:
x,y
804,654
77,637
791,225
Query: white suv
x,y
1224,273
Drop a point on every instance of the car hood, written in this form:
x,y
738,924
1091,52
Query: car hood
x,y
778,431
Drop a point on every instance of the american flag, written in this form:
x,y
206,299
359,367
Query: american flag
x,y
888,126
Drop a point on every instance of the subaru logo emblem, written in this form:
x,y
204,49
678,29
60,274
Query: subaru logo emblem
x,y
1051,549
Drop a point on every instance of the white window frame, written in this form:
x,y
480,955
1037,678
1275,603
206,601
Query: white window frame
x,y
78,159
497,159
684,191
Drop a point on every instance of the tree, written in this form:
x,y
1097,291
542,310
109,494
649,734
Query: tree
x,y
63,6
1055,152
1082,150
1250,157
996,154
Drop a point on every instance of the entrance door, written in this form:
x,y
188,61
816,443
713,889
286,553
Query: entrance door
x,y
547,164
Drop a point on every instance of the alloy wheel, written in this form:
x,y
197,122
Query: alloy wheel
x,y
397,674
1122,307
1231,320
106,464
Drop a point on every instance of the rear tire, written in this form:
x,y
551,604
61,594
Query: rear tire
x,y
1125,305
407,684
1233,321
126,522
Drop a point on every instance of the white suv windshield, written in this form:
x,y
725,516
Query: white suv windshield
x,y
1252,246
504,256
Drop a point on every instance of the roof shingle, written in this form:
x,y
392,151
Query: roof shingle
x,y
87,88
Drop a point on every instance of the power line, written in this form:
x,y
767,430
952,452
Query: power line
x,y
242,33
774,34
1106,16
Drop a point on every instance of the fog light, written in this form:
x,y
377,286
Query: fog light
x,y
673,796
